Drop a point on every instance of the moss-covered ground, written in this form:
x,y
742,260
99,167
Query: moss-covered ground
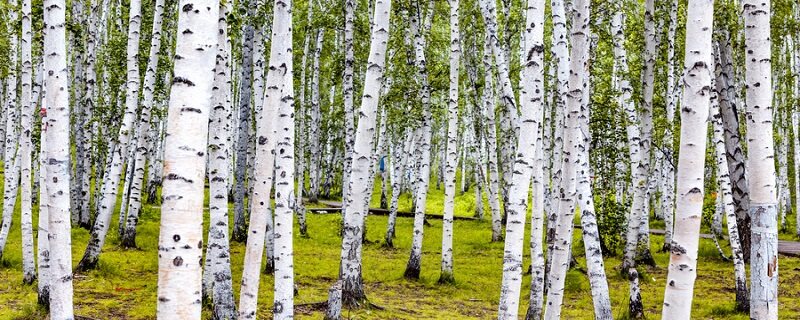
x,y
124,284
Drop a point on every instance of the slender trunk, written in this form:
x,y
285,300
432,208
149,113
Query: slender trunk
x,y
57,159
26,149
451,152
244,124
181,234
668,191
531,100
356,203
742,296
491,142
347,97
536,304
423,151
796,140
43,244
573,143
399,162
691,161
144,135
260,229
11,124
217,275
108,196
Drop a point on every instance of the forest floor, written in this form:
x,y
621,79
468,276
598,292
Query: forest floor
x,y
124,285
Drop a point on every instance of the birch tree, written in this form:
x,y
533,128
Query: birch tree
x,y
108,197
451,150
181,234
243,130
261,215
742,296
11,124
26,148
355,206
217,278
143,142
56,153
531,111
691,161
760,165
422,151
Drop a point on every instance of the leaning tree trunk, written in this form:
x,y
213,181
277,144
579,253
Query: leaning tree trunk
x,y
244,124
143,131
423,151
355,206
181,235
10,159
727,88
742,296
531,113
26,149
760,164
108,196
451,153
261,218
691,161
217,274
573,143
56,155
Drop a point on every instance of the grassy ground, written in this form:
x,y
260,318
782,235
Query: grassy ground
x,y
124,285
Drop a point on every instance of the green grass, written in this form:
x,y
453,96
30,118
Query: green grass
x,y
124,285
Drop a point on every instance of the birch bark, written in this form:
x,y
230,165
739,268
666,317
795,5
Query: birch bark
x,y
691,160
57,159
181,235
760,164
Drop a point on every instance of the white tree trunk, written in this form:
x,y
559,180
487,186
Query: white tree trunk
x,y
691,161
347,97
491,143
399,162
108,196
26,148
143,131
43,244
283,307
57,159
573,143
217,274
11,124
355,206
181,235
422,151
531,113
796,141
260,230
668,191
760,164
451,153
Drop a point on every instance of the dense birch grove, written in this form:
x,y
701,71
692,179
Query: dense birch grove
x,y
251,159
